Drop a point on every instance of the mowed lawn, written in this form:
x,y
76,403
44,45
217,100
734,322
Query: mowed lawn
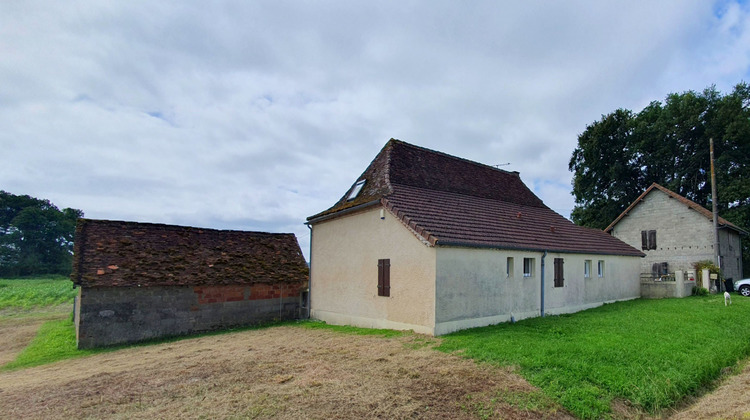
x,y
649,354
621,359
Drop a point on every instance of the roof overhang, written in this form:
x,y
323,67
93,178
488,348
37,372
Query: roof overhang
x,y
344,212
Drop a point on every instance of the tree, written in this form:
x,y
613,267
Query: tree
x,y
35,236
619,156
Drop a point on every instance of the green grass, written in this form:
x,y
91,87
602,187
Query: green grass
x,y
55,340
652,353
27,293
320,325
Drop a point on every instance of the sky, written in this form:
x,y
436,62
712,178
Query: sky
x,y
253,115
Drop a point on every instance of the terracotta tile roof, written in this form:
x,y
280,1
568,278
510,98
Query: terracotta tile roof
x,y
692,204
115,253
451,201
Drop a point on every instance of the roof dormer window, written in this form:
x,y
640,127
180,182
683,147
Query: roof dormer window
x,y
355,190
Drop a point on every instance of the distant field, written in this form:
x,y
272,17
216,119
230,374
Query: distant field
x,y
28,293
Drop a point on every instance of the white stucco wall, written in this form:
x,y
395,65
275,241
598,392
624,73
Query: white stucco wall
x,y
683,236
344,273
474,290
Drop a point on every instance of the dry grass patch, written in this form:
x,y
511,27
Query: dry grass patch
x,y
282,372
731,400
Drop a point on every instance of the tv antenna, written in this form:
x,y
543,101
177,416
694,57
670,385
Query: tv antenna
x,y
501,164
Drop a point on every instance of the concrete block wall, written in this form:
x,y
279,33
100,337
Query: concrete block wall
x,y
683,236
109,316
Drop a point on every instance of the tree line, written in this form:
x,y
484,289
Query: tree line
x,y
624,152
35,236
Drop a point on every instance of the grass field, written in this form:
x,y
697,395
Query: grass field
x,y
26,293
627,357
650,353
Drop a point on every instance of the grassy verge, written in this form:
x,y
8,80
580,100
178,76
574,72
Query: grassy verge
x,y
55,340
28,293
320,325
650,353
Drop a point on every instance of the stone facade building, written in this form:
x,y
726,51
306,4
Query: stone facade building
x,y
140,281
675,232
434,243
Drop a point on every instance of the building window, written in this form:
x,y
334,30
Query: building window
x,y
509,267
355,190
559,280
600,268
587,269
384,277
648,239
528,267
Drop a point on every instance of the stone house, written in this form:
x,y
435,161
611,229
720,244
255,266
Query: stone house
x,y
434,243
675,232
140,281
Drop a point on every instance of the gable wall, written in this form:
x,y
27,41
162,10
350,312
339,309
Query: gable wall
x,y
473,288
344,273
683,236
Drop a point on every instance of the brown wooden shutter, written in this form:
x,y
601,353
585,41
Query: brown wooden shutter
x,y
651,239
384,277
644,239
559,281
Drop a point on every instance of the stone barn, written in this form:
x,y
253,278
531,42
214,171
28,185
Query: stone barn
x,y
140,281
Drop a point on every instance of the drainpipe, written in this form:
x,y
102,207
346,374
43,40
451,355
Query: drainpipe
x,y
309,277
544,254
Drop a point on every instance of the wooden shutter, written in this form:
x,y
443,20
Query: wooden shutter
x,y
384,277
644,239
651,239
559,281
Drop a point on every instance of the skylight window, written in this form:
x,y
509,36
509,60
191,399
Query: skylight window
x,y
355,190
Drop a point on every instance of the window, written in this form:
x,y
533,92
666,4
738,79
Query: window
x,y
587,269
355,190
648,239
528,267
384,277
509,267
559,280
600,268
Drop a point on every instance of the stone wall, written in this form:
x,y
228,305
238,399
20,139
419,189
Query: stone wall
x,y
107,316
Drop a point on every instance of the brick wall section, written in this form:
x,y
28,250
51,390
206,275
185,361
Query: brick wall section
x,y
140,281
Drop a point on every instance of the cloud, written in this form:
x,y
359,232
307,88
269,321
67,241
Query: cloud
x,y
254,115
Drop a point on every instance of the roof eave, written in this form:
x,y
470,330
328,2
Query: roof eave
x,y
461,244
343,212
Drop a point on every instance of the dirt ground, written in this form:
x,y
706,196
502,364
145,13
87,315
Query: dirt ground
x,y
290,372
282,372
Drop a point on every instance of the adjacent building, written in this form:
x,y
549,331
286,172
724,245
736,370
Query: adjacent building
x,y
675,232
141,281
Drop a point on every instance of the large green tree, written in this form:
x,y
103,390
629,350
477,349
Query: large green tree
x,y
619,156
35,236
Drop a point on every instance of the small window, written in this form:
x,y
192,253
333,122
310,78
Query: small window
x,y
648,239
559,278
355,190
587,269
600,268
384,277
509,267
528,267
